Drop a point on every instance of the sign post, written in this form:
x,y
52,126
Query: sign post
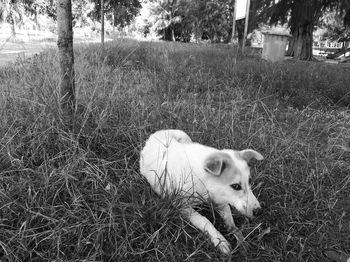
x,y
234,21
246,24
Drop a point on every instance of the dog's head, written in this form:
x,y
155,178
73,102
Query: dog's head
x,y
228,180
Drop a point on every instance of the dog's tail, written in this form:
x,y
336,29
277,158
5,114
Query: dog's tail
x,y
170,134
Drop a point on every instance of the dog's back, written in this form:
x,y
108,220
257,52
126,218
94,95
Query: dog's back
x,y
167,136
165,161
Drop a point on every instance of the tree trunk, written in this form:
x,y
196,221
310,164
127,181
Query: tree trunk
x,y
36,18
12,22
66,59
172,34
113,21
290,51
300,46
198,32
13,30
102,24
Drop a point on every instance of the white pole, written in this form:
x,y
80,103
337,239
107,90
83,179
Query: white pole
x,y
234,21
246,24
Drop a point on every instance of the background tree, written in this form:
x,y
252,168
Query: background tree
x,y
181,20
102,23
334,27
124,11
66,59
80,12
217,20
36,7
12,11
166,14
302,16
190,23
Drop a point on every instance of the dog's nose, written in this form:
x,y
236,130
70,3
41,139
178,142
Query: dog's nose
x,y
257,212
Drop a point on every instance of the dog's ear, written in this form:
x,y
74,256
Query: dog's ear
x,y
248,154
216,163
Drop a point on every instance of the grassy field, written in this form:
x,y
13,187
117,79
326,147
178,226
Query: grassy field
x,y
80,197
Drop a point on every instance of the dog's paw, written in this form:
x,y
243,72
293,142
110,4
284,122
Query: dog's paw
x,y
224,246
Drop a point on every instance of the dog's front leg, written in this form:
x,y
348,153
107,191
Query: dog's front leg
x,y
225,213
206,226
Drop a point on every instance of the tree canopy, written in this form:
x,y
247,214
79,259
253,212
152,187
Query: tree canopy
x,y
181,19
123,11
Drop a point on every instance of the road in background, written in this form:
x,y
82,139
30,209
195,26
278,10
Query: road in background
x,y
30,42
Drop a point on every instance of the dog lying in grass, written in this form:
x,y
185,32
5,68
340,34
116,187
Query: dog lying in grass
x,y
171,162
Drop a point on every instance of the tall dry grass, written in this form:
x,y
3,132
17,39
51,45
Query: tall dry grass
x,y
79,196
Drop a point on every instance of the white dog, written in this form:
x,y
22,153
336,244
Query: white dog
x,y
171,162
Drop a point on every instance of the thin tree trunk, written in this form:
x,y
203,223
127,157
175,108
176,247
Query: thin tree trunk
x,y
13,30
66,59
172,25
37,19
290,51
113,21
13,24
102,24
172,34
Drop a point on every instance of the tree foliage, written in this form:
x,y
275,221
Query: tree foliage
x,y
335,26
123,11
39,6
166,14
12,11
216,20
290,11
183,19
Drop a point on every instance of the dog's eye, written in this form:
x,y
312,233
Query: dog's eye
x,y
236,187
